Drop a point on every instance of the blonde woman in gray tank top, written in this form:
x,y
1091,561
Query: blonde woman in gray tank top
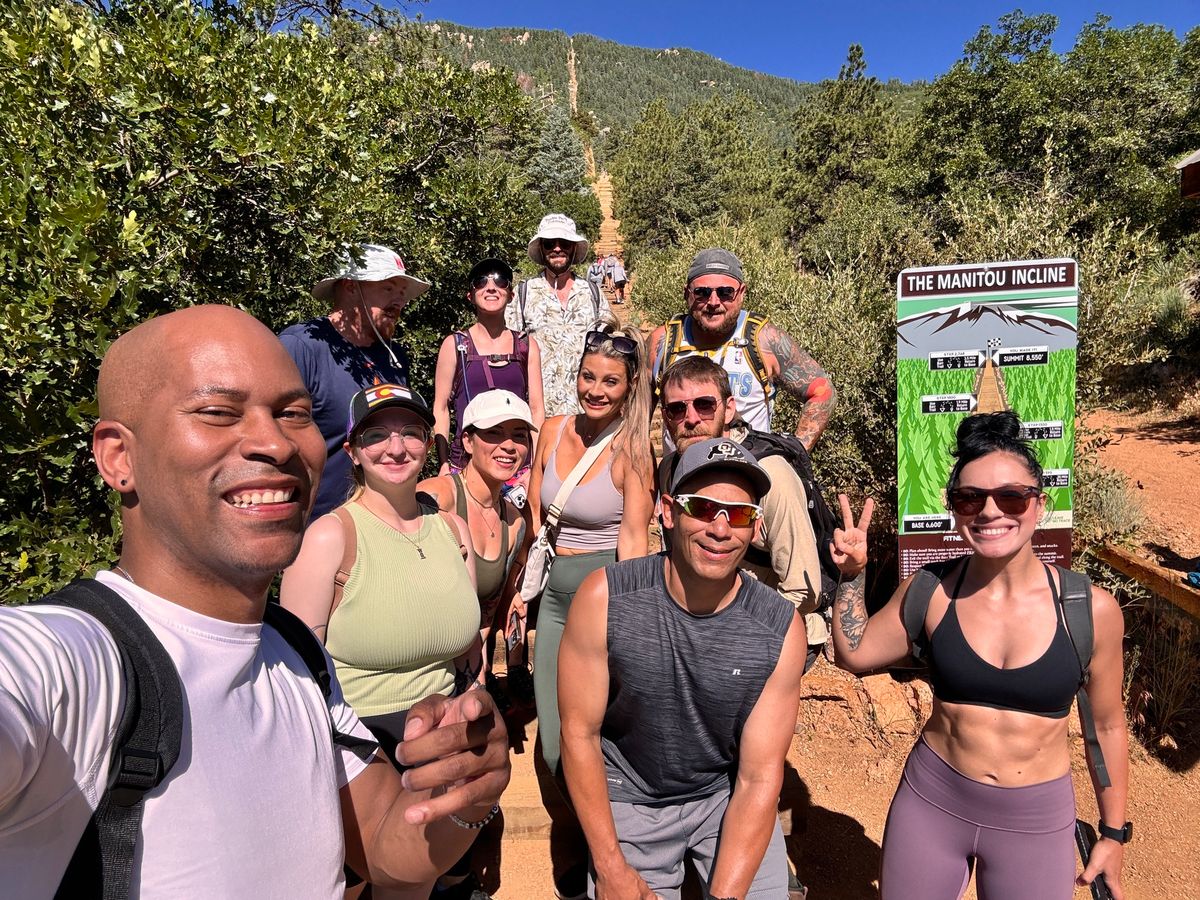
x,y
606,518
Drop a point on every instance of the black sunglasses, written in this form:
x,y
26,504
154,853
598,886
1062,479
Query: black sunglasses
x,y
479,282
1011,499
595,340
706,408
725,292
557,244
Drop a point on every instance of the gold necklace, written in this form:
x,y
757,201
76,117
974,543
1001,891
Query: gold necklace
x,y
123,574
491,531
415,544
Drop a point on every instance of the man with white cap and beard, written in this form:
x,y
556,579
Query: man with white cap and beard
x,y
558,309
351,348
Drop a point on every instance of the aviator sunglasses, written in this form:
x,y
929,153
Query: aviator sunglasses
x,y
725,292
594,340
479,282
1011,499
706,408
706,509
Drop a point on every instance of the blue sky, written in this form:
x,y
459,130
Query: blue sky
x,y
803,40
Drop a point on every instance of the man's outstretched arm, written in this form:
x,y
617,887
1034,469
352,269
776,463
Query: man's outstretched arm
x,y
801,376
582,698
751,816
397,827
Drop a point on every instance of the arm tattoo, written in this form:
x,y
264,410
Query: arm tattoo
x,y
465,676
804,379
851,610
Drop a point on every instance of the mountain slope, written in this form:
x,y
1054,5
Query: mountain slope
x,y
616,81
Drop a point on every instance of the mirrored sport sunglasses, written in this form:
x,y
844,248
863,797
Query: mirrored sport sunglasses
x,y
595,340
706,408
479,282
1011,499
706,509
724,292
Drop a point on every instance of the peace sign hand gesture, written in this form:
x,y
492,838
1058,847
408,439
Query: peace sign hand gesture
x,y
849,547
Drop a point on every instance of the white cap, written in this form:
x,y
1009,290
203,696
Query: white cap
x,y
557,225
378,263
493,407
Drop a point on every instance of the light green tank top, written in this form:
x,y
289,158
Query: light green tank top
x,y
402,619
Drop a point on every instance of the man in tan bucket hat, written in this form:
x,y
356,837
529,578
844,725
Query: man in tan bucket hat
x,y
558,309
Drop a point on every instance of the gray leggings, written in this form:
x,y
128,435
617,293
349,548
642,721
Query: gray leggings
x,y
1020,840
566,574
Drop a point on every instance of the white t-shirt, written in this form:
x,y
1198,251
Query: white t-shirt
x,y
250,808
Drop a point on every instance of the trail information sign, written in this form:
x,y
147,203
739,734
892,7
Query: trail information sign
x,y
975,339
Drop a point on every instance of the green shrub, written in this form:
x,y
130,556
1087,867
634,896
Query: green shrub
x,y
166,155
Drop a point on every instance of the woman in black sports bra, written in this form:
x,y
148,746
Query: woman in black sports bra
x,y
988,784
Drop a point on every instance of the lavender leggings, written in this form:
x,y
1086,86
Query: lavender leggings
x,y
1020,840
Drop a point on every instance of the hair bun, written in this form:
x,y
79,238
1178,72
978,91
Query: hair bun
x,y
992,427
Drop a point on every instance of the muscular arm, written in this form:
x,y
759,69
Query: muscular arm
x,y
583,664
750,820
800,375
395,830
1104,693
307,586
861,644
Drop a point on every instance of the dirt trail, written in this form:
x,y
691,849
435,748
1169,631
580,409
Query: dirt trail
x,y
851,739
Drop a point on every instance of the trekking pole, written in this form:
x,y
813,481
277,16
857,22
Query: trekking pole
x,y
1084,838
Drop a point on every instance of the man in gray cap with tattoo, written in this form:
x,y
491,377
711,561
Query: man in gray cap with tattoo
x,y
759,357
679,688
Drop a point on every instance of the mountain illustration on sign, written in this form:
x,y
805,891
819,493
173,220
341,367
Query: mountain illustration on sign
x,y
963,326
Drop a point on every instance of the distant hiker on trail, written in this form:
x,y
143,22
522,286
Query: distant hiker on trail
x,y
351,348
669,753
614,275
759,357
230,766
1011,642
483,357
595,272
557,309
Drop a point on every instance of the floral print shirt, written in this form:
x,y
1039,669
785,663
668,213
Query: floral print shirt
x,y
559,331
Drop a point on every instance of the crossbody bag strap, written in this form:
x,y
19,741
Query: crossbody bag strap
x,y
571,481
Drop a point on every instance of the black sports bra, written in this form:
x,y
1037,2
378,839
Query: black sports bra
x,y
1044,687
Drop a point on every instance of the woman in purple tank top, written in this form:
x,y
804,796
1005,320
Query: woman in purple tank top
x,y
485,356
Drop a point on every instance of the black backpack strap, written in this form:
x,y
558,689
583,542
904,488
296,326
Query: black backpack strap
x,y
1076,599
915,605
301,639
147,744
522,294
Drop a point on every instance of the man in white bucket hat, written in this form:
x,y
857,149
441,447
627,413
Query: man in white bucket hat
x,y
351,348
558,309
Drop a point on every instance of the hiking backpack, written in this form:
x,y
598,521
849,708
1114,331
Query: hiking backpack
x,y
1075,597
149,734
523,292
763,444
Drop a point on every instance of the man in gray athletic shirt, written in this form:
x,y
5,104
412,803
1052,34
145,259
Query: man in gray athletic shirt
x,y
679,680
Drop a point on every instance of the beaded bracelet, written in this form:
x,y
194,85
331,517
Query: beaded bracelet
x,y
472,826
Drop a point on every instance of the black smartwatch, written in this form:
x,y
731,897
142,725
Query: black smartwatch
x,y
1120,835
